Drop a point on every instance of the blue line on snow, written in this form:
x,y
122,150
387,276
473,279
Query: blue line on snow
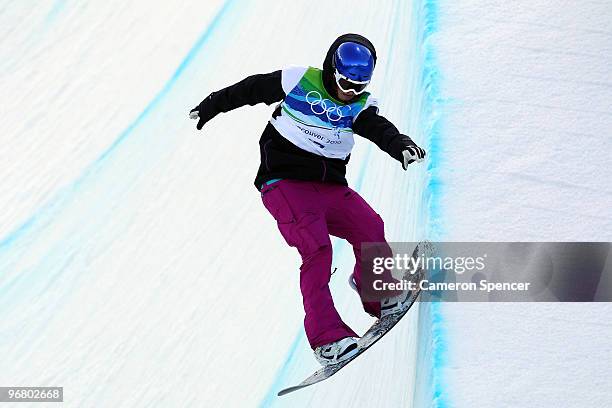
x,y
56,9
283,370
433,101
67,192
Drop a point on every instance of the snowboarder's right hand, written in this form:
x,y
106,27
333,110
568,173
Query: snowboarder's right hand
x,y
195,114
203,112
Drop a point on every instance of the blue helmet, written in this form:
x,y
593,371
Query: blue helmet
x,y
354,61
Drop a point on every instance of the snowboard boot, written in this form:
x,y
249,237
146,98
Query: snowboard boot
x,y
337,351
395,304
390,305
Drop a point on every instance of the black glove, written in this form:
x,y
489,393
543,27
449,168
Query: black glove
x,y
204,111
412,154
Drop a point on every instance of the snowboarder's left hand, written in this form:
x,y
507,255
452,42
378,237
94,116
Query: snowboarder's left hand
x,y
412,154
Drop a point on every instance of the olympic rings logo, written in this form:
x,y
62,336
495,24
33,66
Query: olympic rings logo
x,y
320,106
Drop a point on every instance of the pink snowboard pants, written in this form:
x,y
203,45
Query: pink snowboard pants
x,y
307,213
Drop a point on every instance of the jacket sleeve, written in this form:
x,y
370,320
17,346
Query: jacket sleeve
x,y
252,90
383,133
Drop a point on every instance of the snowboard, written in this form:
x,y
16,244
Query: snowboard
x,y
374,333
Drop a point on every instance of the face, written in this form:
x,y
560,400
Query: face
x,y
344,96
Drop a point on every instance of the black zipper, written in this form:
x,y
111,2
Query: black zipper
x,y
266,154
324,170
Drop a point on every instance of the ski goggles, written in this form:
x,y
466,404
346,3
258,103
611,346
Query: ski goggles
x,y
348,85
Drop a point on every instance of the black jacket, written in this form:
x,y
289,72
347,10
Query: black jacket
x,y
282,159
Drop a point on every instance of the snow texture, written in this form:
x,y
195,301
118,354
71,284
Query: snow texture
x,y
527,138
139,268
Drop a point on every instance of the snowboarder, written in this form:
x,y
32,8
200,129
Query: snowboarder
x,y
304,150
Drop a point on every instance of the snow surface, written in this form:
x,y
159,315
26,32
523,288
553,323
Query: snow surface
x,y
139,268
138,265
527,93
